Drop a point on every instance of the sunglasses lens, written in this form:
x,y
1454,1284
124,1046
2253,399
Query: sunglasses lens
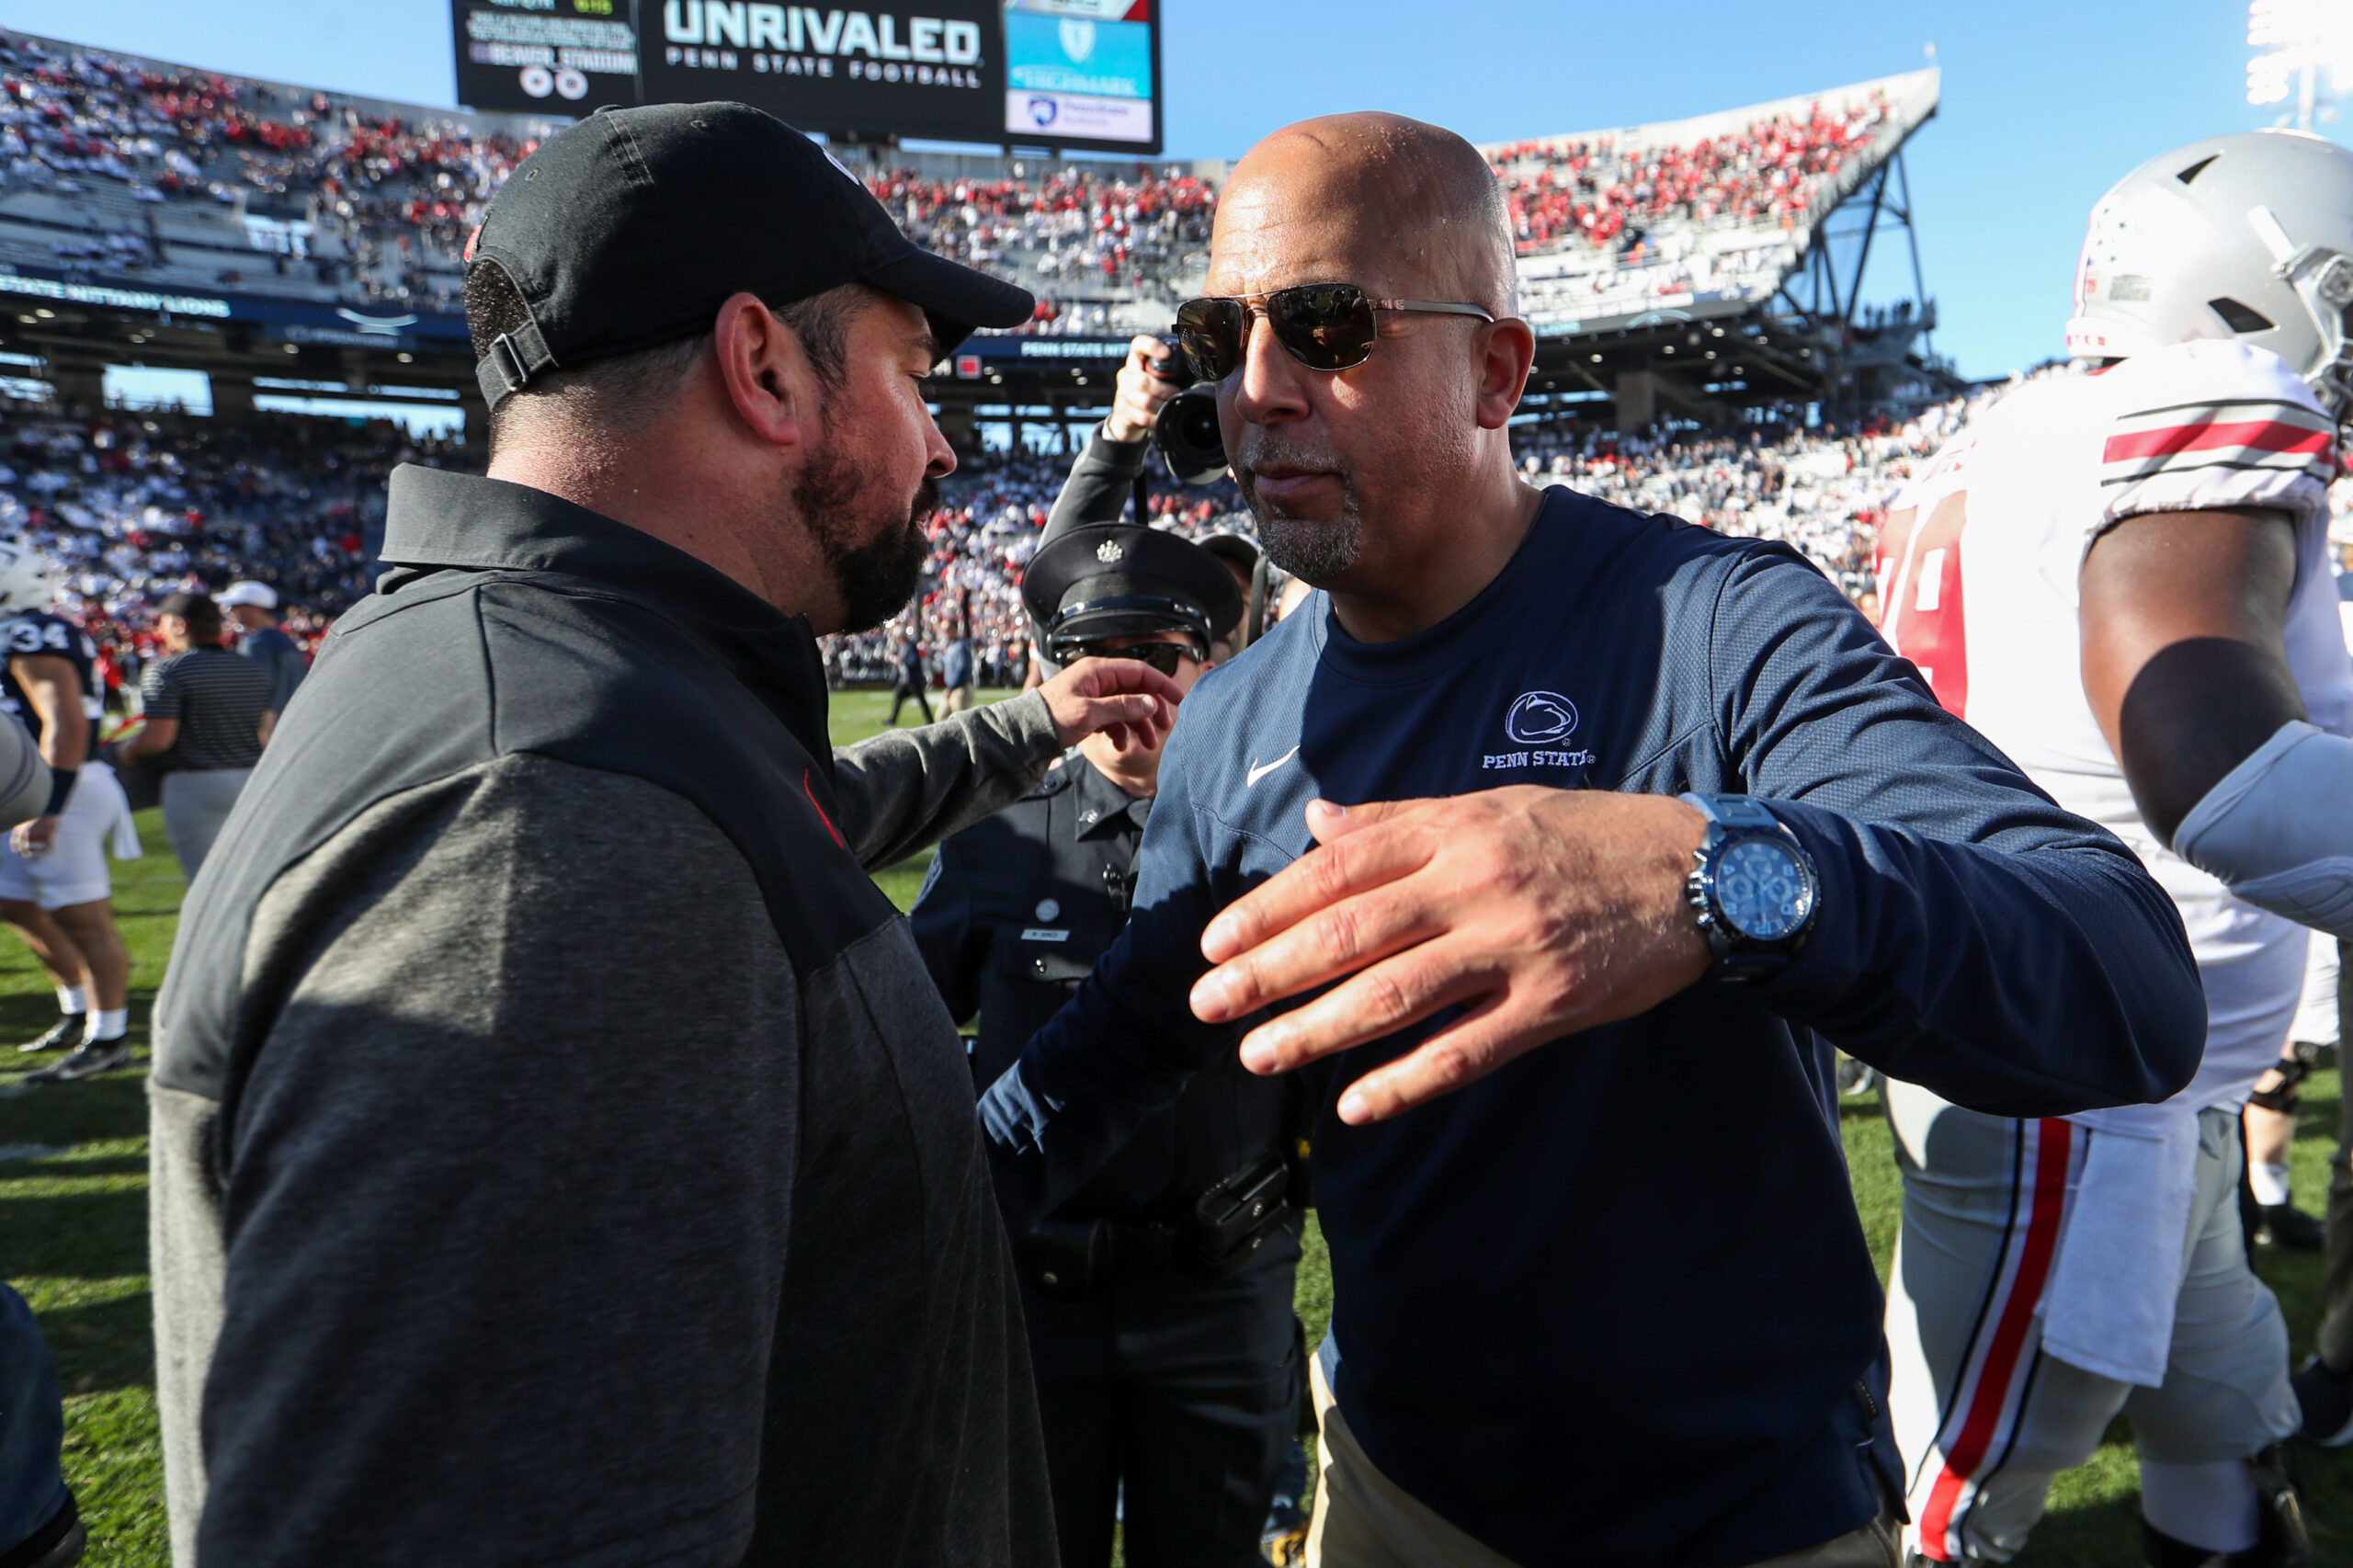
x,y
1161,656
1210,333
1326,326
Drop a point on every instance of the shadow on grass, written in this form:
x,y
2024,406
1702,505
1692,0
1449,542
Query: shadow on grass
x,y
2100,1534
103,1345
76,1235
113,1105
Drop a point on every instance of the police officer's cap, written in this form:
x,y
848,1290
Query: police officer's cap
x,y
1118,580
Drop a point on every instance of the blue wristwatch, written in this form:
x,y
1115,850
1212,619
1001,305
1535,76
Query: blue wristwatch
x,y
1753,887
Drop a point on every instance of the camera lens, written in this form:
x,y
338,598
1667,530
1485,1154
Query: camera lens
x,y
1189,437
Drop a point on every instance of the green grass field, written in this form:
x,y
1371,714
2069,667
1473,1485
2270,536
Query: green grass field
x,y
73,1239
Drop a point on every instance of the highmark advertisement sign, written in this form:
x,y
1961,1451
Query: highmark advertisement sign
x,y
1082,70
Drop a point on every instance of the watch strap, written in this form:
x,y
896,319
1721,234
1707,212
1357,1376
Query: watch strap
x,y
1733,813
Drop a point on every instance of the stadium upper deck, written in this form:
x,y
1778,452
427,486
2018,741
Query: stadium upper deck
x,y
170,180
1713,211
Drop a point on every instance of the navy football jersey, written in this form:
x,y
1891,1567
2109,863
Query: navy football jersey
x,y
23,635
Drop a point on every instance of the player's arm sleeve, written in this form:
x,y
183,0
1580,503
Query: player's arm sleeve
x,y
1127,1044
1974,939
2276,832
1101,479
466,1191
906,789
952,943
2212,425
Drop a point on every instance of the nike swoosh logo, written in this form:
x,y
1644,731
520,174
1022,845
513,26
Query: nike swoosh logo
x,y
1258,773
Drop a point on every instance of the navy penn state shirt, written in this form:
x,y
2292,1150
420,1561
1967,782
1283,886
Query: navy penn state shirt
x,y
1611,1303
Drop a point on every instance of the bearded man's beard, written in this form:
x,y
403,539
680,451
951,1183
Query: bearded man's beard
x,y
1313,550
1317,553
876,569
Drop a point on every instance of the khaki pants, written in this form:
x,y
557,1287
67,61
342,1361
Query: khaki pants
x,y
959,698
1363,1519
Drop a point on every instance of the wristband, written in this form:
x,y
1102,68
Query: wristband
x,y
60,785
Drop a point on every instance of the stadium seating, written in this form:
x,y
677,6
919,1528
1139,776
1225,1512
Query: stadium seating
x,y
139,506
133,507
169,176
1611,224
117,168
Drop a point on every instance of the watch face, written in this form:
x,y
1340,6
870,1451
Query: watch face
x,y
1763,889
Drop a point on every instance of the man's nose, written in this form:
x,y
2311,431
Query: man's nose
x,y
1268,389
943,455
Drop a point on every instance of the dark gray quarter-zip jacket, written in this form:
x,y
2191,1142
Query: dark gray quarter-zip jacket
x,y
560,1153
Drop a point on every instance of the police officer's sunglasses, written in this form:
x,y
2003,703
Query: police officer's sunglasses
x,y
1165,657
1325,326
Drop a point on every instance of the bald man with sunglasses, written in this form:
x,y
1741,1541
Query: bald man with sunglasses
x,y
1537,807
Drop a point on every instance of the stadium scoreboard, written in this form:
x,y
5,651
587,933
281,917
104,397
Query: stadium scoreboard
x,y
1058,73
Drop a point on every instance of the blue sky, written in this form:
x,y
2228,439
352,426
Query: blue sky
x,y
2045,105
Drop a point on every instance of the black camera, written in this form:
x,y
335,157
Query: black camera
x,y
1186,432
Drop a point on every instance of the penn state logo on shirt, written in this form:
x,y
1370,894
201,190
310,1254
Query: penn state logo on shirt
x,y
1538,722
1538,718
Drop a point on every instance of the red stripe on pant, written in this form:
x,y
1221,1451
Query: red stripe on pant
x,y
1967,1451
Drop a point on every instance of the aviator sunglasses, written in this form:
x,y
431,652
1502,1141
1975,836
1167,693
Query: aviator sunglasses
x,y
1325,326
1166,657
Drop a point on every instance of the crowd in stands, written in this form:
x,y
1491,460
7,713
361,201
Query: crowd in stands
x,y
390,204
132,507
1073,235
1563,192
385,204
382,200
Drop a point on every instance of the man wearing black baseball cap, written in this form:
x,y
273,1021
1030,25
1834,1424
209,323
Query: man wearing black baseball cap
x,y
561,1155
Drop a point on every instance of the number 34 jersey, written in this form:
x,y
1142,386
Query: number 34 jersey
x,y
1978,568
23,636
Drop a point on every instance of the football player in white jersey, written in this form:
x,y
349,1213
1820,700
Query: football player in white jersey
x,y
54,884
2121,578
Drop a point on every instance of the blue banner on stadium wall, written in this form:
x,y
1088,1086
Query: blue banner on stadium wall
x,y
1079,73
295,321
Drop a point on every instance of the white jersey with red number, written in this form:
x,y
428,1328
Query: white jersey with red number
x,y
1978,570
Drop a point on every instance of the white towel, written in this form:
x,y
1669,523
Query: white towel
x,y
126,845
124,833
2110,1305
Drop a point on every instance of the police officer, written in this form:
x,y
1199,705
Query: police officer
x,y
1159,1297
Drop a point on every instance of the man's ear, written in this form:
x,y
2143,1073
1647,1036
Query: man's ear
x,y
765,370
1506,356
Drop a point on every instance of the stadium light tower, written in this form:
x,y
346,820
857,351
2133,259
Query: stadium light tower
x,y
2295,40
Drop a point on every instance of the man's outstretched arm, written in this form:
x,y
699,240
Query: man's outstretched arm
x,y
1972,937
904,791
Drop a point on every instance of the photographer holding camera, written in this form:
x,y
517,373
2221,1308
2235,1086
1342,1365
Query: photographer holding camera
x,y
1107,471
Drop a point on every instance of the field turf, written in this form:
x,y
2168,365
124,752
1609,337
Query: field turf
x,y
73,1239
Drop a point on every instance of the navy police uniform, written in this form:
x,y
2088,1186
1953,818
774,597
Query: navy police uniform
x,y
1158,1297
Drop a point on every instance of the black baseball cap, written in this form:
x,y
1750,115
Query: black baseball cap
x,y
1120,580
632,228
